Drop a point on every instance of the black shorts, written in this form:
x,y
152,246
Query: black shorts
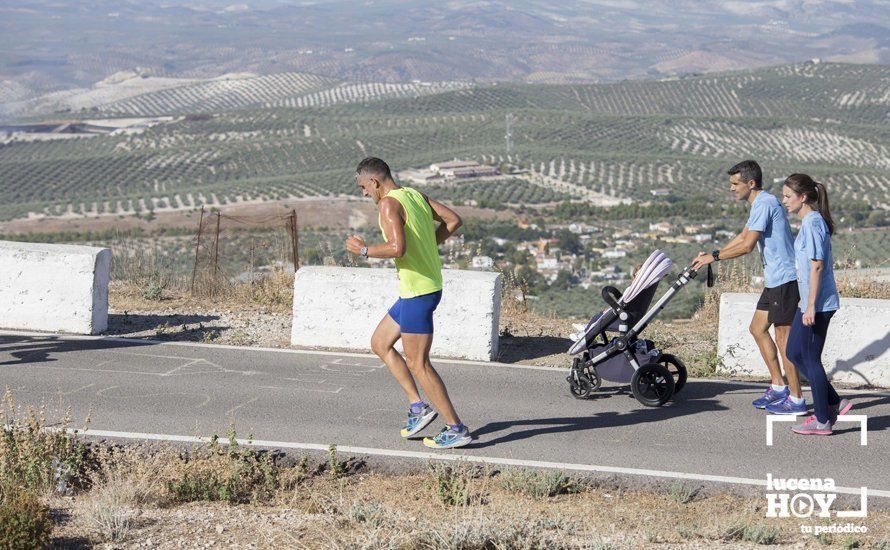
x,y
780,303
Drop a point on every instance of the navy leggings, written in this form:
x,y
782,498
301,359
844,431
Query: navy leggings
x,y
804,349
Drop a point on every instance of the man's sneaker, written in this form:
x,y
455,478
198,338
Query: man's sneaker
x,y
840,409
418,421
811,426
787,406
770,396
449,438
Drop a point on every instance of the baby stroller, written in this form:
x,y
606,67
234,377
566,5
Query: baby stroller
x,y
654,376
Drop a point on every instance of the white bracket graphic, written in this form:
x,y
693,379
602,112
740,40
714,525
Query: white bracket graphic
x,y
860,418
863,506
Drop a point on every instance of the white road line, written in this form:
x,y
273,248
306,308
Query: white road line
x,y
456,457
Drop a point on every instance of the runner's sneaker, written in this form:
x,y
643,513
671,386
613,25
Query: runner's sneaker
x,y
840,409
418,421
770,396
449,438
811,426
787,406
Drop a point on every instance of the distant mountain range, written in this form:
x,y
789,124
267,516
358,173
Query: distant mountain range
x,y
50,45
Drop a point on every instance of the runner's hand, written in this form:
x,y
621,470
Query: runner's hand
x,y
809,316
703,259
354,244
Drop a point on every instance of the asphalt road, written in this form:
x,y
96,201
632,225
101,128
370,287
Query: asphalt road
x,y
515,412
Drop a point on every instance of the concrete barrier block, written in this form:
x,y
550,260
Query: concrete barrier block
x,y
339,307
857,350
54,287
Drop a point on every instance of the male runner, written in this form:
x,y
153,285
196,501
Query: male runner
x,y
408,220
767,229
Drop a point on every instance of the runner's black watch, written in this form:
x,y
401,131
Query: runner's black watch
x,y
716,255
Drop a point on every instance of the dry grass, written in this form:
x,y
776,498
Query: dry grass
x,y
145,280
216,495
125,480
856,283
371,510
270,294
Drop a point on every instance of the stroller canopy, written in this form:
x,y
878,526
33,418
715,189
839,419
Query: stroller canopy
x,y
653,270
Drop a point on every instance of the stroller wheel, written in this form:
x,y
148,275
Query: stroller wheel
x,y
676,368
652,384
579,385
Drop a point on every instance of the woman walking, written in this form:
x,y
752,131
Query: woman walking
x,y
819,299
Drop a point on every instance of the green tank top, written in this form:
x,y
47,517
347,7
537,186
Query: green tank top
x,y
420,270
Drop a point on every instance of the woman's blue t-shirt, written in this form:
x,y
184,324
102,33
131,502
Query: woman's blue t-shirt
x,y
814,243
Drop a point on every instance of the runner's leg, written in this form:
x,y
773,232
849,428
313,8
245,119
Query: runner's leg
x,y
417,353
823,392
759,329
385,336
790,370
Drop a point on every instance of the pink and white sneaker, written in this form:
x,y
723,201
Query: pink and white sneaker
x,y
840,409
811,426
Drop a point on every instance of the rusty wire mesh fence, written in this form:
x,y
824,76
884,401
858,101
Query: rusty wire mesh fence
x,y
231,249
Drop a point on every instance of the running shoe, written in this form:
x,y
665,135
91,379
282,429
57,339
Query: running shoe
x,y
812,426
418,421
787,406
770,396
449,438
840,409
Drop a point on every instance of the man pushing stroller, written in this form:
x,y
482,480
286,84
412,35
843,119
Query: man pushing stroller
x,y
768,230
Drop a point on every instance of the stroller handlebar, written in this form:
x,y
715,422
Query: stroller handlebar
x,y
693,273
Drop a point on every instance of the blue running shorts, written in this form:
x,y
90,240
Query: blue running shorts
x,y
415,315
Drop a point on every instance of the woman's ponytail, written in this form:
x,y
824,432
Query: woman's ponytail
x,y
822,206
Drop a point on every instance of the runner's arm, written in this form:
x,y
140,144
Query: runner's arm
x,y
392,220
737,238
449,220
742,244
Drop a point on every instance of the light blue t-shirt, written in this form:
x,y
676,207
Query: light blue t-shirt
x,y
814,243
776,244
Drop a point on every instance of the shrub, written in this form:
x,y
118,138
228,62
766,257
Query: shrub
x,y
682,493
451,483
109,513
37,459
125,479
538,483
24,522
234,475
371,514
484,533
756,533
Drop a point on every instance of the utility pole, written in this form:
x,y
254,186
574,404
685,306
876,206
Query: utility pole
x,y
197,249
